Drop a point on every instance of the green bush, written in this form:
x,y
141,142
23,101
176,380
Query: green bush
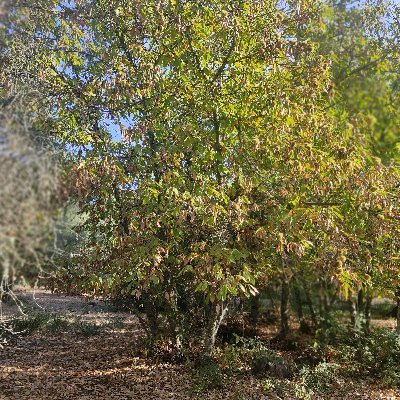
x,y
15,328
253,353
321,379
375,354
7,333
230,358
379,353
271,363
207,376
48,322
86,329
329,328
116,323
39,322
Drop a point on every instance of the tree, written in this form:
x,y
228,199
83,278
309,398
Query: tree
x,y
362,42
28,183
234,162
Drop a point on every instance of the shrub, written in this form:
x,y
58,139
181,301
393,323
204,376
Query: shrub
x,y
373,354
322,379
86,329
379,353
39,322
271,363
116,323
7,333
207,376
329,328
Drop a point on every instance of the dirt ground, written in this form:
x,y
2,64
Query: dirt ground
x,y
64,366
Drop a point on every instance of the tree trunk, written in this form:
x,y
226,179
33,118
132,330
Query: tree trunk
x,y
174,325
270,294
255,309
328,298
285,292
152,320
353,312
398,313
217,313
367,312
310,304
299,308
360,301
360,309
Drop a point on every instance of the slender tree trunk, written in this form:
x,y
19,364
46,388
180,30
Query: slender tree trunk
x,y
217,313
299,308
360,309
174,323
271,298
398,312
360,301
367,312
217,146
310,304
353,312
285,292
327,299
255,309
152,320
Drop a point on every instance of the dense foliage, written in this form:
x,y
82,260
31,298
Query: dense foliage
x,y
216,149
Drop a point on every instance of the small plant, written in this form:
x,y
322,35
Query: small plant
x,y
57,324
116,323
7,333
379,352
229,358
86,329
207,376
268,384
301,392
251,348
322,379
285,389
39,322
329,328
265,360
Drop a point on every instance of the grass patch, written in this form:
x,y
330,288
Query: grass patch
x,y
116,323
50,323
32,323
86,329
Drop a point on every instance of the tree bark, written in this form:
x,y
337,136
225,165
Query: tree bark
x,y
360,315
299,308
285,292
398,316
255,309
174,325
217,313
152,318
360,302
367,312
328,298
353,312
398,312
310,304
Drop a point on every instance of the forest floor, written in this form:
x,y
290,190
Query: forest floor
x,y
100,362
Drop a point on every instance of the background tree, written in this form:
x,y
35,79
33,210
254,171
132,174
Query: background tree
x,y
28,181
